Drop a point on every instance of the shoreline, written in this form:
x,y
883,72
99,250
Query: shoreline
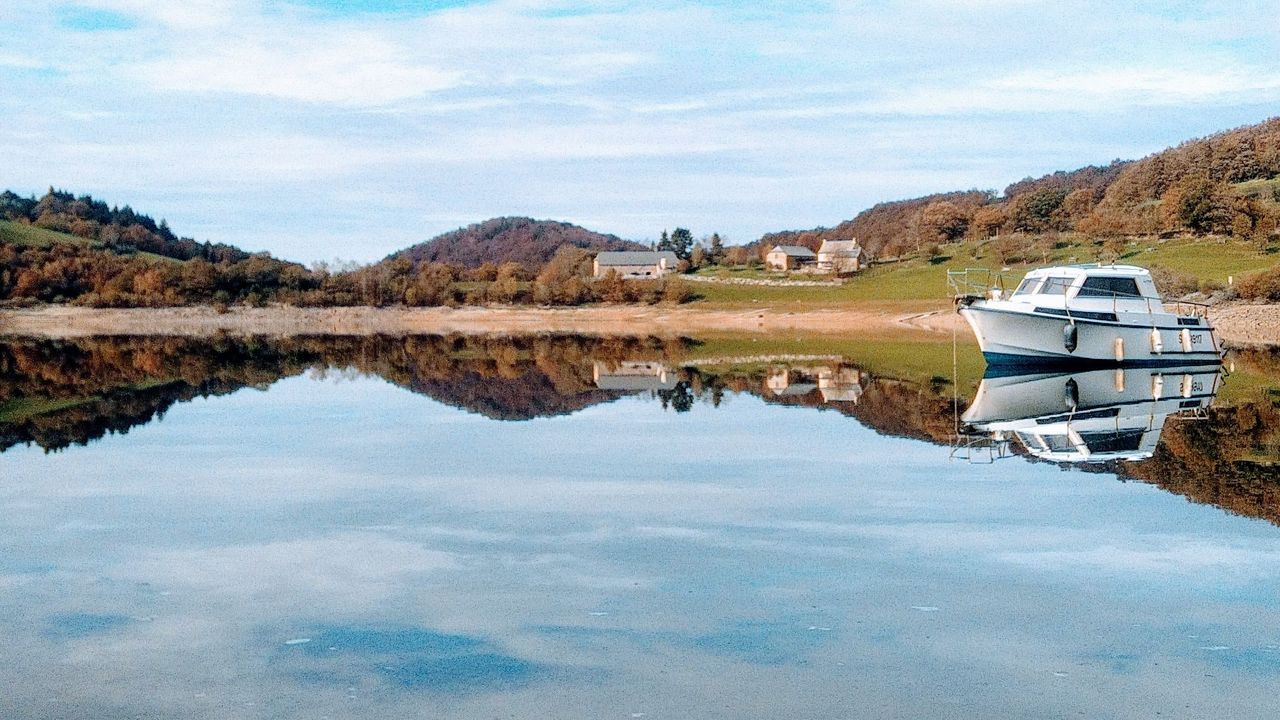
x,y
1237,324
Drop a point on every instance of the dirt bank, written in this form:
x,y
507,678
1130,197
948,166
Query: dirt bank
x,y
1247,324
63,321
1241,324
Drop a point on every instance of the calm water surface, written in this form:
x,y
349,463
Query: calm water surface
x,y
399,531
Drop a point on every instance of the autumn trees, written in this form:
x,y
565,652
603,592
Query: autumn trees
x,y
522,240
120,229
1226,184
943,222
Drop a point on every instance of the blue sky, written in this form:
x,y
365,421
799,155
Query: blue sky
x,y
327,129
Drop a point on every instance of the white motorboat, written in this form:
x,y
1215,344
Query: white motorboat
x,y
1092,416
1083,314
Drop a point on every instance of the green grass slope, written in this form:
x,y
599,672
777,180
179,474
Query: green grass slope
x,y
32,236
918,279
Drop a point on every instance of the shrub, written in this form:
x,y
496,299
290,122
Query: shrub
x,y
644,291
1173,283
1263,285
1209,287
676,291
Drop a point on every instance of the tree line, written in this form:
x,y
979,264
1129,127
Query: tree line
x,y
119,229
130,260
1223,185
94,277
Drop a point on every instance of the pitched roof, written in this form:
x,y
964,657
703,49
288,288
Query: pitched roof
x,y
640,257
637,382
843,247
793,251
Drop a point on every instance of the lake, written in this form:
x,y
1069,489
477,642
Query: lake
x,y
630,527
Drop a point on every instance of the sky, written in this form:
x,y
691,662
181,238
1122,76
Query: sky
x,y
324,129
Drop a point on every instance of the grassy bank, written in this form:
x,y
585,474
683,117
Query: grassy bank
x,y
921,280
926,359
32,236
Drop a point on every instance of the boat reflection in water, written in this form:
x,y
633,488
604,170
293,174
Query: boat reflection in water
x,y
1087,417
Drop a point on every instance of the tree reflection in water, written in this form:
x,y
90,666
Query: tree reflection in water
x,y
57,394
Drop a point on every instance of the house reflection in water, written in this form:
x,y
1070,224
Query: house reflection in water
x,y
840,384
834,384
633,375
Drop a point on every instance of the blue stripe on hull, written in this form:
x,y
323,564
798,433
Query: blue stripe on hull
x,y
1002,364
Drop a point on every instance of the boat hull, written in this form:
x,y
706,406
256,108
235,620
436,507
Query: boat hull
x,y
1011,338
1089,415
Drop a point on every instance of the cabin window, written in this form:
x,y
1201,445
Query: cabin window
x,y
1056,286
1058,443
1112,442
1027,287
1109,287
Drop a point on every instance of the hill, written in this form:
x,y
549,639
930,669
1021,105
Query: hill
x,y
884,228
17,233
117,229
1224,184
509,239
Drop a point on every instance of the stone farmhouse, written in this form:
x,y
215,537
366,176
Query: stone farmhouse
x,y
633,375
637,265
840,257
789,257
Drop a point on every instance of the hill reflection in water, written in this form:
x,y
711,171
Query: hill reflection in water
x,y
1165,428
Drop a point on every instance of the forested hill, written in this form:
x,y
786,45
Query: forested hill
x,y
1224,184
509,239
118,229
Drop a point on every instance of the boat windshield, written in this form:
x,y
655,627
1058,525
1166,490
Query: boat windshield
x,y
1109,287
1058,443
1027,287
1056,286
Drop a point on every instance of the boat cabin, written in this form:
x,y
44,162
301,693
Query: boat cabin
x,y
1080,284
1093,313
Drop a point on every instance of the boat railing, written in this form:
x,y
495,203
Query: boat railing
x,y
975,282
972,283
1182,308
979,448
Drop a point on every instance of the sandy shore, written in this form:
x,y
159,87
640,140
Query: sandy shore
x,y
1237,324
63,321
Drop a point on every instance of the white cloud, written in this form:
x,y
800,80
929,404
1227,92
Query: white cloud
x,y
180,15
1168,556
749,118
16,60
347,570
343,68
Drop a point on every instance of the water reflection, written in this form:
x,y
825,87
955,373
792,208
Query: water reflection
x,y
1132,422
516,527
1088,417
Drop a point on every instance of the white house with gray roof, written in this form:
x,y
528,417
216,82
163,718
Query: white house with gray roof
x,y
632,375
641,265
840,256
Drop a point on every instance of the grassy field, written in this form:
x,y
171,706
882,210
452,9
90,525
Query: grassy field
x,y
923,359
22,409
923,281
32,236
930,360
1215,262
